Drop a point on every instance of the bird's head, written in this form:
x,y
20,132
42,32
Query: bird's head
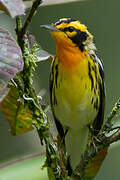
x,y
68,32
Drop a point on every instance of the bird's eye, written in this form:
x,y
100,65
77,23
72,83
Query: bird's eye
x,y
71,29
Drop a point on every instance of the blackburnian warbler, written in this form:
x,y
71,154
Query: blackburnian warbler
x,y
77,90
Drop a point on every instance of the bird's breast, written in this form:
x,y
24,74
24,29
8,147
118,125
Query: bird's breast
x,y
74,96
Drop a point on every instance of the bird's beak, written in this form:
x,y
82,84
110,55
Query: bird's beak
x,y
49,27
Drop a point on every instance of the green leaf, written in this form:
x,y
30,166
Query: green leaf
x,y
50,174
44,55
53,2
16,112
94,166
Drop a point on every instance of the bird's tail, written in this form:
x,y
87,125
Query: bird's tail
x,y
76,141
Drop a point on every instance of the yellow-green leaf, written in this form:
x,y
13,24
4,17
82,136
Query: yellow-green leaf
x,y
94,166
16,112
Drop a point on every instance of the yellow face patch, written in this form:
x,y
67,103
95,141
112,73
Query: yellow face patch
x,y
71,34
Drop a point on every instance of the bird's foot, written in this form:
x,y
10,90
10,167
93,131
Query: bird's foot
x,y
94,139
93,142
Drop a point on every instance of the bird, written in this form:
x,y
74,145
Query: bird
x,y
77,86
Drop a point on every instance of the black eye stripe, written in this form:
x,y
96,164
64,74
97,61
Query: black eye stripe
x,y
79,38
81,34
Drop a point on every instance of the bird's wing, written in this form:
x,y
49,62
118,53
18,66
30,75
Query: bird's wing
x,y
100,116
52,89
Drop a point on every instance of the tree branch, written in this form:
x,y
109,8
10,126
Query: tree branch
x,y
29,18
109,121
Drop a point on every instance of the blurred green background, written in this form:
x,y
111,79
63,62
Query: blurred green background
x,y
102,18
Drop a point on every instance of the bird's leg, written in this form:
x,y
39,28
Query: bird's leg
x,y
93,138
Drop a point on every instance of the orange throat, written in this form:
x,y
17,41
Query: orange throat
x,y
69,56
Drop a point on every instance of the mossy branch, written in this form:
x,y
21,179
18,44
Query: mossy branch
x,y
56,160
28,93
